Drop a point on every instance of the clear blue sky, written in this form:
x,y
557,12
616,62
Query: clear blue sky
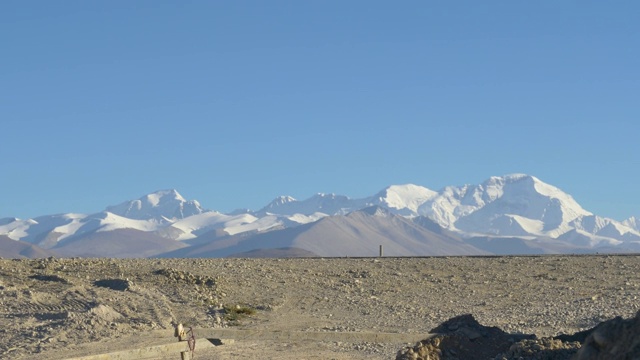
x,y
233,103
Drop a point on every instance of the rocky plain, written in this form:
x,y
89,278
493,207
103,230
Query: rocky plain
x,y
332,308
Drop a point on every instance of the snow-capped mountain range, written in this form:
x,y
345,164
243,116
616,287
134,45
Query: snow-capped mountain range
x,y
514,206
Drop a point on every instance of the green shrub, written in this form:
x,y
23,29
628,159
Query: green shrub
x,y
234,313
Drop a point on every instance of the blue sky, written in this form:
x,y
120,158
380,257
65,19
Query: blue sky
x,y
233,103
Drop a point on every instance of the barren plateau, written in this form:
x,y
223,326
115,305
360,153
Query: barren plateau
x,y
332,308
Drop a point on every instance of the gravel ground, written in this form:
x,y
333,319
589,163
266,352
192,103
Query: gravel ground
x,y
55,308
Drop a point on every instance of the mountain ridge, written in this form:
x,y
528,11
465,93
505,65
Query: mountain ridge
x,y
510,206
161,205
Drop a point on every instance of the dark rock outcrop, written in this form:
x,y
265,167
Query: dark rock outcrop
x,y
462,337
612,340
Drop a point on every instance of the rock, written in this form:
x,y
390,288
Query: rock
x,y
470,333
613,339
538,349
114,284
462,337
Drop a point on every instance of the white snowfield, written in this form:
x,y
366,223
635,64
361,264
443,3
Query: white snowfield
x,y
632,222
404,199
515,205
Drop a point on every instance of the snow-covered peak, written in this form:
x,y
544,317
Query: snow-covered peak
x,y
633,222
278,204
494,186
527,195
329,204
508,179
156,198
512,204
404,199
163,205
281,200
512,178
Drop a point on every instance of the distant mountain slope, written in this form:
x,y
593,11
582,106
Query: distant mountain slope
x,y
120,243
14,249
606,228
275,253
329,204
359,233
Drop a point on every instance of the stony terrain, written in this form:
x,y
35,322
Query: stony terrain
x,y
58,308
